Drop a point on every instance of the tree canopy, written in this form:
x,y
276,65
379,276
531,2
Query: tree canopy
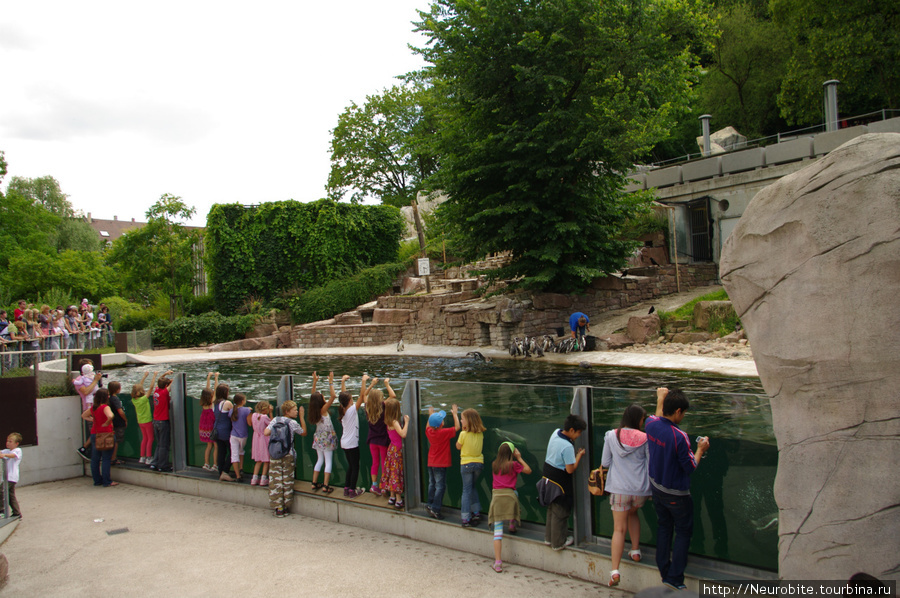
x,y
543,106
377,148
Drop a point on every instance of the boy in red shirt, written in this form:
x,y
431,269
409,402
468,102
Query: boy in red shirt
x,y
161,427
439,439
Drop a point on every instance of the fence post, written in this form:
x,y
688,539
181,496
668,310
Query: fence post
x,y
178,418
412,459
5,493
285,392
582,405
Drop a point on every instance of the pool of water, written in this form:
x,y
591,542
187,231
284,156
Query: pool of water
x,y
525,401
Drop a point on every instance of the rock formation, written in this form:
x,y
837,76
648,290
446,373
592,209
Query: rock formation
x,y
813,270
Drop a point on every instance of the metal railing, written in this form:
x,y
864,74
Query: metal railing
x,y
26,353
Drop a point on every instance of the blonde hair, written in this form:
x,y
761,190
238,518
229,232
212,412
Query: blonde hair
x,y
473,422
263,407
374,405
15,436
137,391
391,412
287,407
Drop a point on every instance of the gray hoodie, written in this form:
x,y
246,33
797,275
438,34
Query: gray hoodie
x,y
627,464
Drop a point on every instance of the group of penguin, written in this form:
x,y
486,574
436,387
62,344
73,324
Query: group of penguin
x,y
537,347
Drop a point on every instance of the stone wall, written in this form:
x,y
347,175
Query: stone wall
x,y
462,319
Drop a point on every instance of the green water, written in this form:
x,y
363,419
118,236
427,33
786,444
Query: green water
x,y
525,401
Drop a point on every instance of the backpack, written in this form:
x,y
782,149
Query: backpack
x,y
281,441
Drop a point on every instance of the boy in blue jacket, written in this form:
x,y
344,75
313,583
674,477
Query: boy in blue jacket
x,y
671,464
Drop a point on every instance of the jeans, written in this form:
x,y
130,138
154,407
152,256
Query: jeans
x,y
100,475
161,430
470,505
674,514
437,485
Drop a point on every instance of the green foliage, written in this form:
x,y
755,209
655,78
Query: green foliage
x,y
338,296
854,41
158,257
119,308
409,249
200,304
375,149
74,273
264,250
139,319
207,328
55,296
717,324
75,233
543,105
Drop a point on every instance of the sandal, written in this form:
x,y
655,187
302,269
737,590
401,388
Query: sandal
x,y
118,462
316,486
614,578
635,555
399,504
327,489
498,566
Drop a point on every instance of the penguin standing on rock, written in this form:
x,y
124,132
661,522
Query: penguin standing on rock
x,y
400,346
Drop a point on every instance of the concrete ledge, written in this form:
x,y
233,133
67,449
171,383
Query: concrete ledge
x,y
826,142
701,169
790,151
749,159
891,125
7,528
663,177
589,562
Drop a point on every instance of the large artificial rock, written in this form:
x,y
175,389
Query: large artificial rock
x,y
642,328
813,270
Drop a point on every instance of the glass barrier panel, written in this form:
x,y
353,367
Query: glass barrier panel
x,y
735,515
130,447
525,415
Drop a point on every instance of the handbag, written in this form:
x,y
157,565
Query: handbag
x,y
104,441
597,481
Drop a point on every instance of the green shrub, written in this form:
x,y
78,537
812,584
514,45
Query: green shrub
x,y
209,328
717,324
140,319
200,305
119,308
321,303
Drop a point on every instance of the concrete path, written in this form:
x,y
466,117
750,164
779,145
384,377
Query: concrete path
x,y
78,540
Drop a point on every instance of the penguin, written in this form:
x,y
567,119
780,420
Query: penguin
x,y
478,355
400,346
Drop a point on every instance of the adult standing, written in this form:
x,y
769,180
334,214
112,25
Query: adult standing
x,y
579,324
86,385
102,417
671,464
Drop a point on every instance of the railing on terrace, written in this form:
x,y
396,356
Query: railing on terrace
x,y
851,121
26,353
735,511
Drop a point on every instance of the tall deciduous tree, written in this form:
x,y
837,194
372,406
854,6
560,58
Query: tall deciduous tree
x,y
158,257
546,104
854,41
377,149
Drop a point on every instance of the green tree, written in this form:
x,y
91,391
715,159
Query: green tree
x,y
78,273
743,79
546,104
854,41
158,257
377,149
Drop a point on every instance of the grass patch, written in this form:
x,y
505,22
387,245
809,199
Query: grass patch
x,y
717,323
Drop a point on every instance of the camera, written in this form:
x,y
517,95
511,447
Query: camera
x,y
100,381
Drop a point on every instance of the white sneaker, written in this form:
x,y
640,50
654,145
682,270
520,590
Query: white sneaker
x,y
142,460
569,541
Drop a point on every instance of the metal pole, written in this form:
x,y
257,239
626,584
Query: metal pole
x,y
178,410
412,460
285,391
704,126
831,105
581,405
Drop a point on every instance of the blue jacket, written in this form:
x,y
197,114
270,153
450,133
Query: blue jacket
x,y
671,458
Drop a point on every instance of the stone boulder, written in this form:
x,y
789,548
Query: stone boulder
x,y
412,285
686,338
813,271
262,329
642,328
703,310
614,341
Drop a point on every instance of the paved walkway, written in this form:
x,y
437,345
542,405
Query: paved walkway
x,y
177,545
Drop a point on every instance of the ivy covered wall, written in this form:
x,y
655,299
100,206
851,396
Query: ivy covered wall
x,y
262,250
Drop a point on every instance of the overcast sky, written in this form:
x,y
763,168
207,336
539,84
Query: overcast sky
x,y
216,102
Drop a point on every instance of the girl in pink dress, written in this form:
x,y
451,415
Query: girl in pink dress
x,y
207,421
392,478
259,450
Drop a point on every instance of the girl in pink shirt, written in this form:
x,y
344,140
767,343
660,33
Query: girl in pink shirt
x,y
505,500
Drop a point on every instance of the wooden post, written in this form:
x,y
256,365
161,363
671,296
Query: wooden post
x,y
420,231
675,253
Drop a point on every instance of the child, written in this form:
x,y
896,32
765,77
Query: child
x,y
392,480
162,428
439,439
141,402
120,421
260,448
325,440
555,489
240,430
222,411
378,437
471,462
207,421
626,454
281,486
349,413
505,500
86,386
13,455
